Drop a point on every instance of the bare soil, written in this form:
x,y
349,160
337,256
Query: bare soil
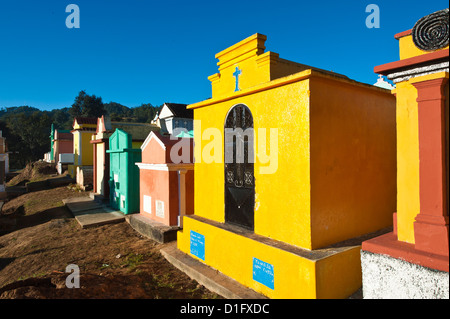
x,y
114,260
34,172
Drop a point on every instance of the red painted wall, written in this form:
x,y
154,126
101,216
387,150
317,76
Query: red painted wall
x,y
65,147
153,153
155,184
163,186
190,192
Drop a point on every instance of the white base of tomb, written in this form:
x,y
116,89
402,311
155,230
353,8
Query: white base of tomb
x,y
385,277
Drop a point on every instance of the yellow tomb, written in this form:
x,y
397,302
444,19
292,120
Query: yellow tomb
x,y
313,168
83,129
412,261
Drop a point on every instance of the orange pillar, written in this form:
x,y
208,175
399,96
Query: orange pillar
x,y
431,225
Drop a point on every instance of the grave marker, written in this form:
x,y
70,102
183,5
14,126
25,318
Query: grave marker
x,y
334,179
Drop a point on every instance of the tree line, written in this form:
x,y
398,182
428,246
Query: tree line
x,y
27,129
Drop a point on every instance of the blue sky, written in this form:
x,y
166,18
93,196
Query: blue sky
x,y
144,51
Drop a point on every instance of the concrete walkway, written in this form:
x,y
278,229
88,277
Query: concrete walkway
x,y
90,213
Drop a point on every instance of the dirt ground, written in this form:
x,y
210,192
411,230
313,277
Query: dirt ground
x,y
114,260
34,172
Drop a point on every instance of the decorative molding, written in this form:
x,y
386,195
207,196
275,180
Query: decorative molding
x,y
403,34
424,59
430,33
214,78
151,136
166,167
418,71
251,46
267,58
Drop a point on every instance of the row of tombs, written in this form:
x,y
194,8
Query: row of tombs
x,y
307,184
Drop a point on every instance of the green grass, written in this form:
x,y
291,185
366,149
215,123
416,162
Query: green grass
x,y
163,281
133,260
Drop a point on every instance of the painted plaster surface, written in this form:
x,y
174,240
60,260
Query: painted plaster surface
x,y
409,50
331,176
297,273
164,194
385,277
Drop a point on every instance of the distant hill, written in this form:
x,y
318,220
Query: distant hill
x,y
143,113
116,108
17,109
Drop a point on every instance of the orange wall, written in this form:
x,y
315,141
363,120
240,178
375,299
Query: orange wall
x,y
154,183
153,153
163,185
353,160
61,147
65,147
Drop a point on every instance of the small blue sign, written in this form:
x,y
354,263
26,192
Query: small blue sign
x,y
198,245
263,273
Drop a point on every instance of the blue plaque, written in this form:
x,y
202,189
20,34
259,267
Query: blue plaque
x,y
263,273
198,245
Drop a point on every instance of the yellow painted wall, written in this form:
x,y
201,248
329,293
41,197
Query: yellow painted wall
x,y
408,203
409,50
295,277
335,175
87,152
354,136
77,126
353,160
136,144
76,148
256,65
235,260
284,215
82,145
339,275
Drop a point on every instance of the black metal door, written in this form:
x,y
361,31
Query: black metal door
x,y
239,167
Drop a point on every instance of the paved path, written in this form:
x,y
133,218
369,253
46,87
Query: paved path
x,y
90,213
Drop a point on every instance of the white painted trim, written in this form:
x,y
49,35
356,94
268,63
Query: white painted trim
x,y
149,138
169,124
162,205
165,112
166,167
100,125
147,204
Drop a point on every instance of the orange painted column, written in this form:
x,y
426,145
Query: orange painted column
x,y
431,225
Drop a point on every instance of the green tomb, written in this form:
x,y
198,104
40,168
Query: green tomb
x,y
124,174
